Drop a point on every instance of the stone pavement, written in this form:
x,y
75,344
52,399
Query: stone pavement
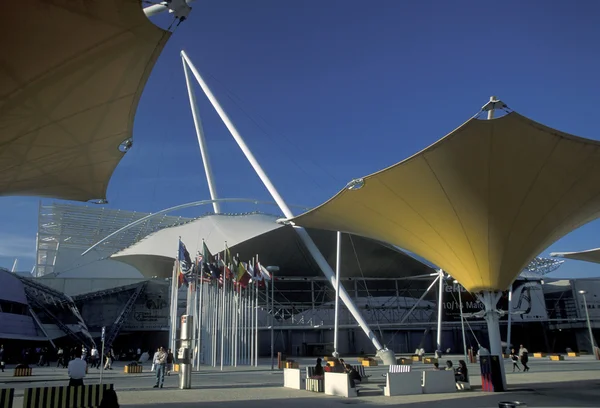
x,y
574,382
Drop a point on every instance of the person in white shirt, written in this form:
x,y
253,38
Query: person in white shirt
x,y
161,363
95,357
76,372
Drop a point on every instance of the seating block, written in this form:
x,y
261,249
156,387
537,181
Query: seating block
x,y
6,397
572,354
23,372
430,360
315,385
369,363
407,383
557,357
338,384
292,378
400,368
361,371
86,396
404,361
463,386
437,382
416,358
133,369
539,355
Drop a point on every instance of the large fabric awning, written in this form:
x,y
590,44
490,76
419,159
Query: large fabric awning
x,y
480,203
590,255
71,76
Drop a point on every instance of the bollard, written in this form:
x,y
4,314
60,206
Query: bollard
x,y
511,404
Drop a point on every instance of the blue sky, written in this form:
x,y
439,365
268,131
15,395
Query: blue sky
x,y
326,91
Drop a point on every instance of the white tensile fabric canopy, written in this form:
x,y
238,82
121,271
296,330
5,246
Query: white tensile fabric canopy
x,y
71,76
154,255
590,255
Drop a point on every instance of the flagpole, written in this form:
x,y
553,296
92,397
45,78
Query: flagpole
x,y
224,278
200,316
256,326
172,326
215,296
272,320
268,316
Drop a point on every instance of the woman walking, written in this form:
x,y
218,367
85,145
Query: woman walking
x,y
515,360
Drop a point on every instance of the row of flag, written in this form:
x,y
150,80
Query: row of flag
x,y
216,268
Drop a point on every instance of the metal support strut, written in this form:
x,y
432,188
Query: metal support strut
x,y
302,233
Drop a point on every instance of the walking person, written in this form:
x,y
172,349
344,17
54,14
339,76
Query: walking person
x,y
108,363
154,357
60,357
95,357
2,364
170,361
515,360
524,357
161,363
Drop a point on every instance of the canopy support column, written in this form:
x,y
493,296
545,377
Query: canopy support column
x,y
438,351
308,242
201,141
508,330
338,260
492,318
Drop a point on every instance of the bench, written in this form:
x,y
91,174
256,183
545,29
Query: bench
x,y
557,357
403,383
292,378
23,372
339,384
404,361
83,396
361,371
572,354
463,385
400,368
132,369
314,385
437,382
6,397
429,360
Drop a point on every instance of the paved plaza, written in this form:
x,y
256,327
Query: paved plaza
x,y
574,382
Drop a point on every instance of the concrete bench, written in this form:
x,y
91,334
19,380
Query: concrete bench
x,y
23,372
6,397
405,383
437,382
292,378
86,396
400,368
339,384
314,385
361,371
463,386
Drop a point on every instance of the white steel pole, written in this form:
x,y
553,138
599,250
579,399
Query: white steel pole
x,y
439,317
272,318
490,114
256,327
308,242
508,330
338,262
251,331
223,319
462,321
201,141
589,325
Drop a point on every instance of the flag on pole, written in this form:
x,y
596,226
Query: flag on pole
x,y
225,265
184,264
242,275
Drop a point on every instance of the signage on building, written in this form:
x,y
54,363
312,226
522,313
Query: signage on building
x,y
528,302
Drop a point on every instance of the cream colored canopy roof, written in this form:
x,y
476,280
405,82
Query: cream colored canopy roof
x,y
71,76
480,203
591,255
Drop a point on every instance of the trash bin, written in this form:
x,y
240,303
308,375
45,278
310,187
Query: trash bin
x,y
491,373
511,404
